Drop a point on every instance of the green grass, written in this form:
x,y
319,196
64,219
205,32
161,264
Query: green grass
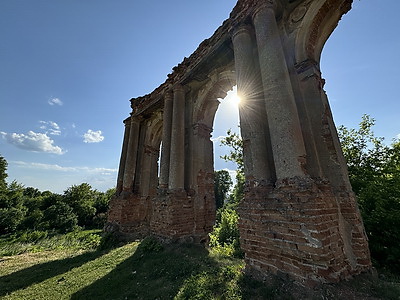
x,y
37,241
149,270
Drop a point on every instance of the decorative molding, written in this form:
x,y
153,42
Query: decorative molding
x,y
329,7
202,130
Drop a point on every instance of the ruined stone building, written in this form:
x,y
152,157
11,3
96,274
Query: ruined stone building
x,y
299,216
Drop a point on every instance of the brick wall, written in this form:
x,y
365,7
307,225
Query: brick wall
x,y
303,229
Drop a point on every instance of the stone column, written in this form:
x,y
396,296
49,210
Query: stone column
x,y
251,109
124,151
286,136
177,155
154,172
166,141
147,169
131,158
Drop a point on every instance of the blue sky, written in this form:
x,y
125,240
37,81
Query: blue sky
x,y
68,69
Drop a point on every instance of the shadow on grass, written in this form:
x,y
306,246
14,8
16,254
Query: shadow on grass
x,y
38,273
150,274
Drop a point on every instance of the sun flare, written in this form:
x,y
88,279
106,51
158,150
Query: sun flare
x,y
233,98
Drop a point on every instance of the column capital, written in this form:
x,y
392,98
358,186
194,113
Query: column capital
x,y
168,96
242,28
127,122
307,66
272,5
309,69
202,130
150,150
136,119
178,88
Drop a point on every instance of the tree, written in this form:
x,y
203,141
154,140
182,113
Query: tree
x,y
60,216
237,194
81,198
374,172
222,184
235,142
12,209
101,204
102,200
3,173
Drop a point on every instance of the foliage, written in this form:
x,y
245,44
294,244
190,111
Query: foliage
x,y
222,184
37,241
374,171
150,244
235,143
224,239
3,173
12,210
10,218
61,216
102,200
225,235
81,198
238,191
109,240
28,209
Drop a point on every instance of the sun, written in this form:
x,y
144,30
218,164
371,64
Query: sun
x,y
232,97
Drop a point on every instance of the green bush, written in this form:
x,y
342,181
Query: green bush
x,y
10,219
225,236
32,236
109,240
61,217
34,220
150,245
374,171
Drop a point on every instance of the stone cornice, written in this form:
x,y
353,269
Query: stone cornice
x,y
185,71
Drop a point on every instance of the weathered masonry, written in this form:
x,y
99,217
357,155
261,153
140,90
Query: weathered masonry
x,y
299,216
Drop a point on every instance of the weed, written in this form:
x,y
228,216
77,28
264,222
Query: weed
x,y
109,240
37,241
150,245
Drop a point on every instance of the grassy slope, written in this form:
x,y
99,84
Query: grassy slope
x,y
123,273
148,271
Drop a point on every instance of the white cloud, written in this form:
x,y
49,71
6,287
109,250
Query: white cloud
x,y
93,136
55,101
40,166
218,139
32,141
50,127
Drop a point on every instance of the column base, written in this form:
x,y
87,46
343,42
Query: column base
x,y
173,218
300,229
129,216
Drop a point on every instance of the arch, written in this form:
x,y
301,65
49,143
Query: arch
x,y
318,20
217,88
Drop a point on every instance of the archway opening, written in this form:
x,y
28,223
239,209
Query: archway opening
x,y
226,132
226,118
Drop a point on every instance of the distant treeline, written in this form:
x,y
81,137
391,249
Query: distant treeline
x,y
27,208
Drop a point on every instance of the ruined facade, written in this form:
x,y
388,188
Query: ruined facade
x,y
299,216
